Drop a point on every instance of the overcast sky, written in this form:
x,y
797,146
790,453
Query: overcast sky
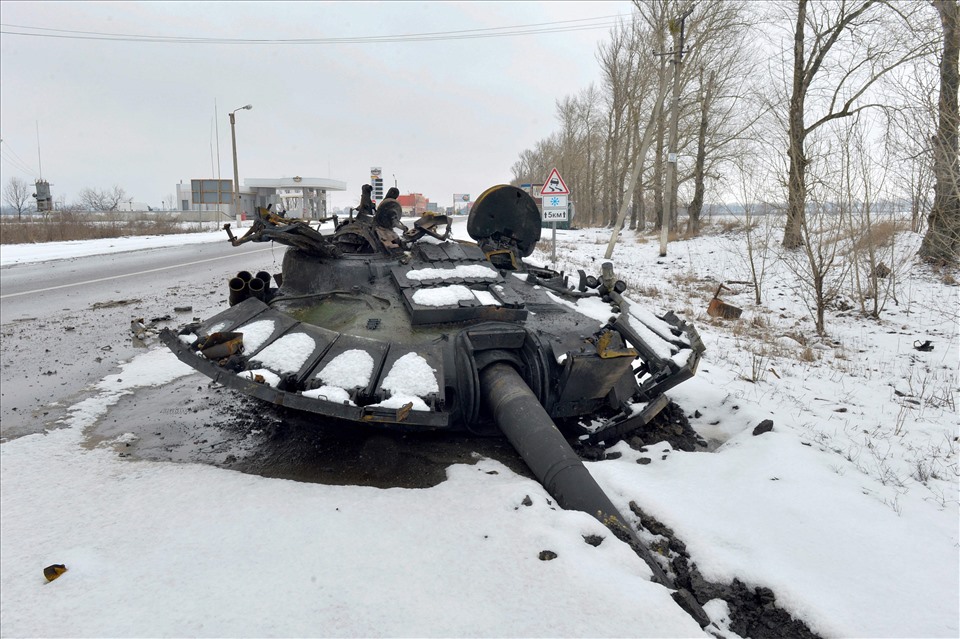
x,y
443,116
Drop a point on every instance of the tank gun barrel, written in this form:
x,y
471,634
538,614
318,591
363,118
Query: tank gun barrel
x,y
533,434
559,469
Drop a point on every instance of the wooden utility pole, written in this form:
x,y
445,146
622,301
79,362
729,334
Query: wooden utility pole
x,y
671,177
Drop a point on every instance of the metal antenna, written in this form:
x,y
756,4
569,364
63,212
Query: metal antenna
x,y
38,150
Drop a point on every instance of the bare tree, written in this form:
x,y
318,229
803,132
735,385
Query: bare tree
x,y
906,139
942,240
638,162
874,269
17,194
630,86
618,64
714,80
758,252
528,169
659,16
723,69
705,99
821,267
848,46
102,199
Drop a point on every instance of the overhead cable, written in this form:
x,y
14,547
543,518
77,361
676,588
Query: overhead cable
x,y
563,26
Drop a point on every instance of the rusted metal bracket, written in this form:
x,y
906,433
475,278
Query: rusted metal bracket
x,y
218,346
610,344
719,308
388,415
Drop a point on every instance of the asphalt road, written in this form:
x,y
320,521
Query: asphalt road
x,y
65,324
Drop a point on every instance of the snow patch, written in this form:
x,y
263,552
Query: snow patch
x,y
458,272
287,354
333,394
349,369
269,377
411,375
443,295
255,334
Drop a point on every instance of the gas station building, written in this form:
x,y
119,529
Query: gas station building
x,y
300,197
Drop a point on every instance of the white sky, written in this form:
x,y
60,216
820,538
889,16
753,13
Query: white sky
x,y
443,117
827,510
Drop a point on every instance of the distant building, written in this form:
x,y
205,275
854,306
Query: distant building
x,y
304,198
130,205
413,204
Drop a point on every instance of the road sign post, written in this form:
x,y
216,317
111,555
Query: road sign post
x,y
554,197
554,185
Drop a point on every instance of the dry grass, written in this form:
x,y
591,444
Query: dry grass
x,y
652,235
880,234
725,225
69,225
646,290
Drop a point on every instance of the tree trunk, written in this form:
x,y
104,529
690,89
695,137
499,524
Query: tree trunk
x,y
796,184
696,205
641,203
634,138
658,172
638,215
942,241
606,205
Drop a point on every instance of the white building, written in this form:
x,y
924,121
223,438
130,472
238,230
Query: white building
x,y
303,198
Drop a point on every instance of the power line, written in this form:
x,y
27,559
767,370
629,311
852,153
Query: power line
x,y
16,161
563,26
20,168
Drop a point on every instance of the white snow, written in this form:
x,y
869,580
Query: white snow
x,y
266,376
593,307
652,322
349,369
288,354
255,334
46,251
400,400
411,375
663,349
154,368
487,298
443,295
333,394
458,272
847,510
219,326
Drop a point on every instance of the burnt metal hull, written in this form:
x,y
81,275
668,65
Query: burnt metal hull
x,y
421,332
575,363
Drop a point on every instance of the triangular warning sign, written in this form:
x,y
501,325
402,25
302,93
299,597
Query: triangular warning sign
x,y
554,185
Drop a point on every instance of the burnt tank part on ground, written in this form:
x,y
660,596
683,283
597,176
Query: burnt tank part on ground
x,y
409,329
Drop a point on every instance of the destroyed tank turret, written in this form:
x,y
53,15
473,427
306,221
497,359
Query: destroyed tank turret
x,y
410,329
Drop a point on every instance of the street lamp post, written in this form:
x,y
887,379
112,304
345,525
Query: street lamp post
x,y
236,173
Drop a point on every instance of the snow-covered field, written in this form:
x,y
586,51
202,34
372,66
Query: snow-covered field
x,y
847,510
